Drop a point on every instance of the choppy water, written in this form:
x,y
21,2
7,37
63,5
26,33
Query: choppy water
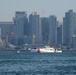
x,y
26,63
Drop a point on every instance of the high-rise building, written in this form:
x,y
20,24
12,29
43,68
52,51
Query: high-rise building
x,y
69,27
35,28
74,41
19,21
59,34
26,27
45,29
6,27
35,24
53,30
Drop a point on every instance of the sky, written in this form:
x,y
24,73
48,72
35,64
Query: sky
x,y
43,7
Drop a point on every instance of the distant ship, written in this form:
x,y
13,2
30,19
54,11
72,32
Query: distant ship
x,y
46,49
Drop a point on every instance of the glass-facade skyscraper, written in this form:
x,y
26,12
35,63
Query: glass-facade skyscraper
x,y
35,27
69,27
53,30
59,35
19,22
35,24
45,29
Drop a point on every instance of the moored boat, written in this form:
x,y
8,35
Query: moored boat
x,y
58,50
34,49
46,49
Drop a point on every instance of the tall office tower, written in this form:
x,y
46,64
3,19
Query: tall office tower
x,y
53,30
69,27
19,20
45,29
59,34
6,27
35,28
26,27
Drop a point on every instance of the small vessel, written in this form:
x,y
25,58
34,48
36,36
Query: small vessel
x,y
46,49
34,50
58,50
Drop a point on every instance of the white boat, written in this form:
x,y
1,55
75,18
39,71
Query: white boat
x,y
58,50
46,49
34,49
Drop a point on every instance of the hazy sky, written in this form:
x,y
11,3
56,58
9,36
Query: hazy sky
x,y
43,7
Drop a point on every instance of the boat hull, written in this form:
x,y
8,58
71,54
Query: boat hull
x,y
46,49
34,50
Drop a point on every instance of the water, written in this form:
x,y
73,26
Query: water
x,y
27,63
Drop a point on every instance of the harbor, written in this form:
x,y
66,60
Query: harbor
x,y
29,63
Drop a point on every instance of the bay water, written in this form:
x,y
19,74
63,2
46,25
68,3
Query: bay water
x,y
29,63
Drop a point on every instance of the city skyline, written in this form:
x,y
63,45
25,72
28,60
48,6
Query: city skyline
x,y
44,8
37,28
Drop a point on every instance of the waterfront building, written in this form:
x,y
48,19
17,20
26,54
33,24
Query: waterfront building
x,y
19,21
6,29
69,27
45,29
35,28
53,30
